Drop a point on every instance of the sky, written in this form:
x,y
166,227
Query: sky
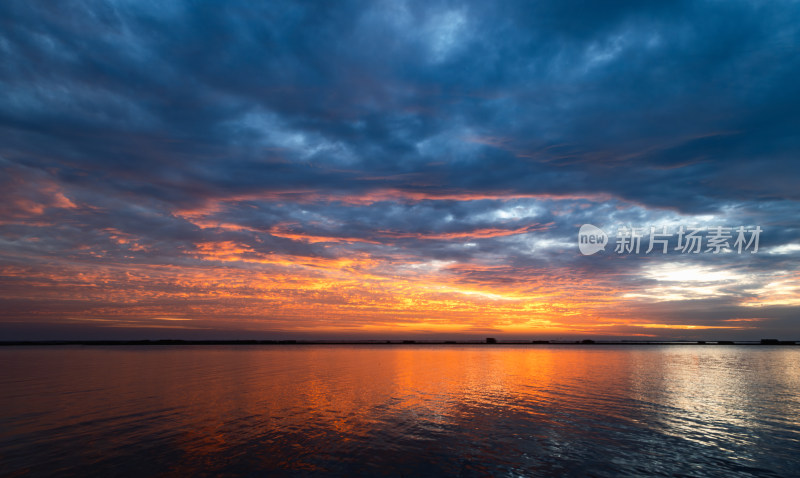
x,y
418,169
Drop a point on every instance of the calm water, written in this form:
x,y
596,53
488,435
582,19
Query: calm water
x,y
400,411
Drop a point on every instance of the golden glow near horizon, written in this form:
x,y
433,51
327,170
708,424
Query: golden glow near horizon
x,y
235,283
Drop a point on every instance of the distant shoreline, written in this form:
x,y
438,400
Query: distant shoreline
x,y
586,342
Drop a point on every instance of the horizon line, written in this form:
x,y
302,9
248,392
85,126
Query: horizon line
x,y
487,341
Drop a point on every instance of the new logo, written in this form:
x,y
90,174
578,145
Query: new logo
x,y
591,239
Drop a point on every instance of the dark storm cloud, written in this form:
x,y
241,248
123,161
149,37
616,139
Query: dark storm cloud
x,y
184,101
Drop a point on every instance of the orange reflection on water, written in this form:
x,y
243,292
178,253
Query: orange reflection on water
x,y
326,408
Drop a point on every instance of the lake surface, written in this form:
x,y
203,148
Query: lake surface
x,y
407,410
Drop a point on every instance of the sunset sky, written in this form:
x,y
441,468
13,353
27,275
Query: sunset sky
x,y
395,169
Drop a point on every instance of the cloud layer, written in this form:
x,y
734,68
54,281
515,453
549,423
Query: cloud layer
x,y
395,167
